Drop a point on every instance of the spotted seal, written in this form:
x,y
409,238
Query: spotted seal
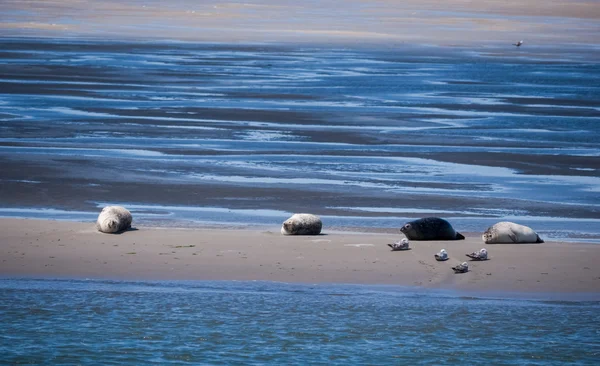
x,y
508,232
430,228
302,224
113,219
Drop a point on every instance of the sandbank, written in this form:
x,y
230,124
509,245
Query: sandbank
x,y
59,249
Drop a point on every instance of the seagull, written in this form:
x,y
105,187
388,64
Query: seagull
x,y
481,255
399,245
518,44
441,256
461,268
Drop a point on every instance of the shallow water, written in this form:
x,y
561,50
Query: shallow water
x,y
248,134
107,322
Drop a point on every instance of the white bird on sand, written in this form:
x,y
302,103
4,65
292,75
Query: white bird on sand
x,y
518,44
461,268
481,255
399,245
441,256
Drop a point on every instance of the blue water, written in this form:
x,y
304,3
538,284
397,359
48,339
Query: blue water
x,y
103,322
199,133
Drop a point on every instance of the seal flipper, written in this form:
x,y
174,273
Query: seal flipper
x,y
539,240
512,236
459,236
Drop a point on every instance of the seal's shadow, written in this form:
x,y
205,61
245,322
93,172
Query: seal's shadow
x,y
126,230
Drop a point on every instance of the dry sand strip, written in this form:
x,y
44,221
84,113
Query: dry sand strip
x,y
58,249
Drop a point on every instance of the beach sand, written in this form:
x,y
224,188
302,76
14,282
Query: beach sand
x,y
59,249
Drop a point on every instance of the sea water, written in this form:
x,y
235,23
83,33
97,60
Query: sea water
x,y
109,322
247,134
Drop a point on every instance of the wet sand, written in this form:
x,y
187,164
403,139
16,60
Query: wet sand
x,y
59,249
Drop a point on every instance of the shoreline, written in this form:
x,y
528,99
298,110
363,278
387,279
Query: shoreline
x,y
73,250
411,45
337,227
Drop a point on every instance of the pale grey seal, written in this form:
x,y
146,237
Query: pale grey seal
x,y
302,224
480,255
430,228
509,232
461,268
113,219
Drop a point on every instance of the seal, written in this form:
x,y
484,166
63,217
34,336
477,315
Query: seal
x,y
508,232
113,219
441,256
399,245
430,228
461,268
302,224
480,255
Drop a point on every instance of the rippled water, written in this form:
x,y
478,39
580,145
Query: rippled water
x,y
98,322
248,134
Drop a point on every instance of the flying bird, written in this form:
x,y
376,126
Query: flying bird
x,y
518,44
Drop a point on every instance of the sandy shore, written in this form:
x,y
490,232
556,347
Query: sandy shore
x,y
42,248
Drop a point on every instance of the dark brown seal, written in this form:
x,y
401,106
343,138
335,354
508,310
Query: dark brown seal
x,y
430,228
